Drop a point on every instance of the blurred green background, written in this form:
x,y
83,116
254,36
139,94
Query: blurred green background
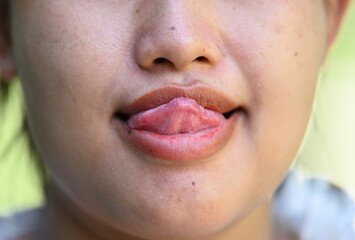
x,y
328,149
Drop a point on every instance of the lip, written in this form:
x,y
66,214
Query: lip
x,y
208,98
182,147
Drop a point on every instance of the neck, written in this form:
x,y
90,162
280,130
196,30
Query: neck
x,y
66,222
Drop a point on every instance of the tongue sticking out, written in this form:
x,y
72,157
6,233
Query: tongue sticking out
x,y
180,115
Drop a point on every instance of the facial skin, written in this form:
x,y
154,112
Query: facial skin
x,y
80,61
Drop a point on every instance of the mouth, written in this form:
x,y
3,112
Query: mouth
x,y
124,117
180,124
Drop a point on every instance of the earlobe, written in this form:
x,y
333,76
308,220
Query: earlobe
x,y
7,64
335,11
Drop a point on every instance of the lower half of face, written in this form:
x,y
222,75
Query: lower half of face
x,y
82,63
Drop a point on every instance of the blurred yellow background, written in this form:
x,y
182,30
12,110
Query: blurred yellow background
x,y
328,149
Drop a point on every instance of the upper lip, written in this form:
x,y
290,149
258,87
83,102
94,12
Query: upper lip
x,y
207,97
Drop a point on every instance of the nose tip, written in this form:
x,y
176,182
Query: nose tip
x,y
176,49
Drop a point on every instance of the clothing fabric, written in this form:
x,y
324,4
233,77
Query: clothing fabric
x,y
303,209
19,224
313,209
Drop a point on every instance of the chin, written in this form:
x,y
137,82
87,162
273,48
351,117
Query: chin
x,y
180,227
185,220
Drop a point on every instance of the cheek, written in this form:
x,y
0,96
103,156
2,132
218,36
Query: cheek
x,y
279,52
69,49
67,64
279,48
285,85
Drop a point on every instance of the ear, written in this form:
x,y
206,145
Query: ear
x,y
335,11
7,64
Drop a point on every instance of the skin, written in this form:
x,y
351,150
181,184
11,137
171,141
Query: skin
x,y
79,61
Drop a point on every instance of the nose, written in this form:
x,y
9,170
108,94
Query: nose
x,y
178,36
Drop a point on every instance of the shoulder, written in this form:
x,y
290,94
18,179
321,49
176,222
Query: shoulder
x,y
314,209
20,225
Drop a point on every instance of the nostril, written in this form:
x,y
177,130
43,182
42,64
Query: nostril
x,y
201,59
161,60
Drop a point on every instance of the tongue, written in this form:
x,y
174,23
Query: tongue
x,y
180,115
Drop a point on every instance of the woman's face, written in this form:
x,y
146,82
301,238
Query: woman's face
x,y
82,62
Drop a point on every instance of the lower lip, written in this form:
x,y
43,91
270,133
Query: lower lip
x,y
183,147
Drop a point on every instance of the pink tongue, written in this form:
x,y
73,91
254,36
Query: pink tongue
x,y
180,115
